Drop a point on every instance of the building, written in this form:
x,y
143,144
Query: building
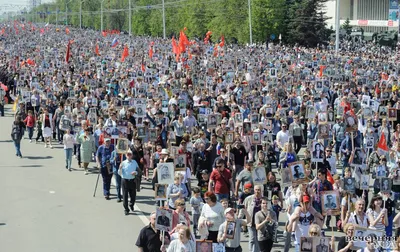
x,y
371,15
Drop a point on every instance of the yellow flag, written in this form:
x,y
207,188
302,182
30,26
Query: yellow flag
x,y
15,104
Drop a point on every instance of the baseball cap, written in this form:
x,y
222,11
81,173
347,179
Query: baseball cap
x,y
204,172
248,186
228,210
107,140
275,197
306,198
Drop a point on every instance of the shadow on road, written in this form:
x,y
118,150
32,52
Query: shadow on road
x,y
38,157
5,141
31,166
2,224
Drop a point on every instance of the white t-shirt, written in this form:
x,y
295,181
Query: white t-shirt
x,y
213,214
282,137
177,245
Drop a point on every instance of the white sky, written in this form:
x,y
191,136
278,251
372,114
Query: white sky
x,y
15,5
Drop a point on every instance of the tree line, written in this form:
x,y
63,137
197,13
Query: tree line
x,y
298,21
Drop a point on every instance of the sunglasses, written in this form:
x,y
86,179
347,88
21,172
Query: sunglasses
x,y
313,233
328,151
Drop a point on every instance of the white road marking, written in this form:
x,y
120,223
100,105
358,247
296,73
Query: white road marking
x,y
138,212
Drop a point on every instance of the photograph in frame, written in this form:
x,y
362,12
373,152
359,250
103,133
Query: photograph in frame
x,y
380,171
364,182
256,138
164,219
180,162
330,200
297,172
165,173
306,244
218,247
160,191
392,114
229,137
358,158
323,131
396,177
351,121
259,175
321,244
317,152
385,185
349,185
141,132
212,121
230,229
203,245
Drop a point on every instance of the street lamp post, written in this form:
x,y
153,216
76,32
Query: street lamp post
x,y
251,33
80,14
66,12
337,26
101,14
130,18
163,18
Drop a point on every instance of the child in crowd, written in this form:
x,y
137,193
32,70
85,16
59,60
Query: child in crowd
x,y
196,202
224,202
203,183
275,206
39,129
30,124
247,191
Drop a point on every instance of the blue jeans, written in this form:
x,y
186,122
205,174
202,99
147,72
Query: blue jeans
x,y
118,182
221,196
68,157
18,148
30,132
389,228
106,181
253,243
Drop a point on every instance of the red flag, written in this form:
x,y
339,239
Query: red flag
x,y
207,38
174,46
125,53
143,68
329,177
104,33
41,31
68,52
222,41
30,62
67,30
382,145
151,52
321,70
97,50
215,50
355,72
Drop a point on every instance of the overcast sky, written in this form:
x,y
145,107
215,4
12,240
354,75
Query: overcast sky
x,y
7,5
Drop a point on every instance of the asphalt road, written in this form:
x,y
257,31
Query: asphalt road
x,y
46,208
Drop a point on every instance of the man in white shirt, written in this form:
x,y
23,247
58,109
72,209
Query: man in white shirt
x,y
282,137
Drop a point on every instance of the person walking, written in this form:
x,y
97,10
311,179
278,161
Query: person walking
x,y
128,170
68,141
116,160
47,128
17,131
30,124
87,148
103,159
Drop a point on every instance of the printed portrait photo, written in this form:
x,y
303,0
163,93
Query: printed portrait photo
x,y
259,176
203,245
349,185
180,162
164,219
317,153
330,200
297,173
160,191
165,173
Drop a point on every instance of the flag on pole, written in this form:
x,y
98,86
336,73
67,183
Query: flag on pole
x,y
222,43
321,70
125,53
97,50
114,42
382,145
67,54
151,52
329,177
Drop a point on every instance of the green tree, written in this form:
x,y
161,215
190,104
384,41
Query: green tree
x,y
347,27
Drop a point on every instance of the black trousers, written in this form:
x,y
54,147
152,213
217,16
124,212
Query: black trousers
x,y
128,190
297,143
265,246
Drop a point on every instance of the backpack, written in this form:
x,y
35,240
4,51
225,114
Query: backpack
x,y
16,132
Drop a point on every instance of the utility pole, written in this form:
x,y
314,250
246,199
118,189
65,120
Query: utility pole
x,y
337,26
251,33
163,19
130,18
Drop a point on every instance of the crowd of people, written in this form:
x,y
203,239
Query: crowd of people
x,y
237,136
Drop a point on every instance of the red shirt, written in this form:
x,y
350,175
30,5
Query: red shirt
x,y
29,121
220,186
